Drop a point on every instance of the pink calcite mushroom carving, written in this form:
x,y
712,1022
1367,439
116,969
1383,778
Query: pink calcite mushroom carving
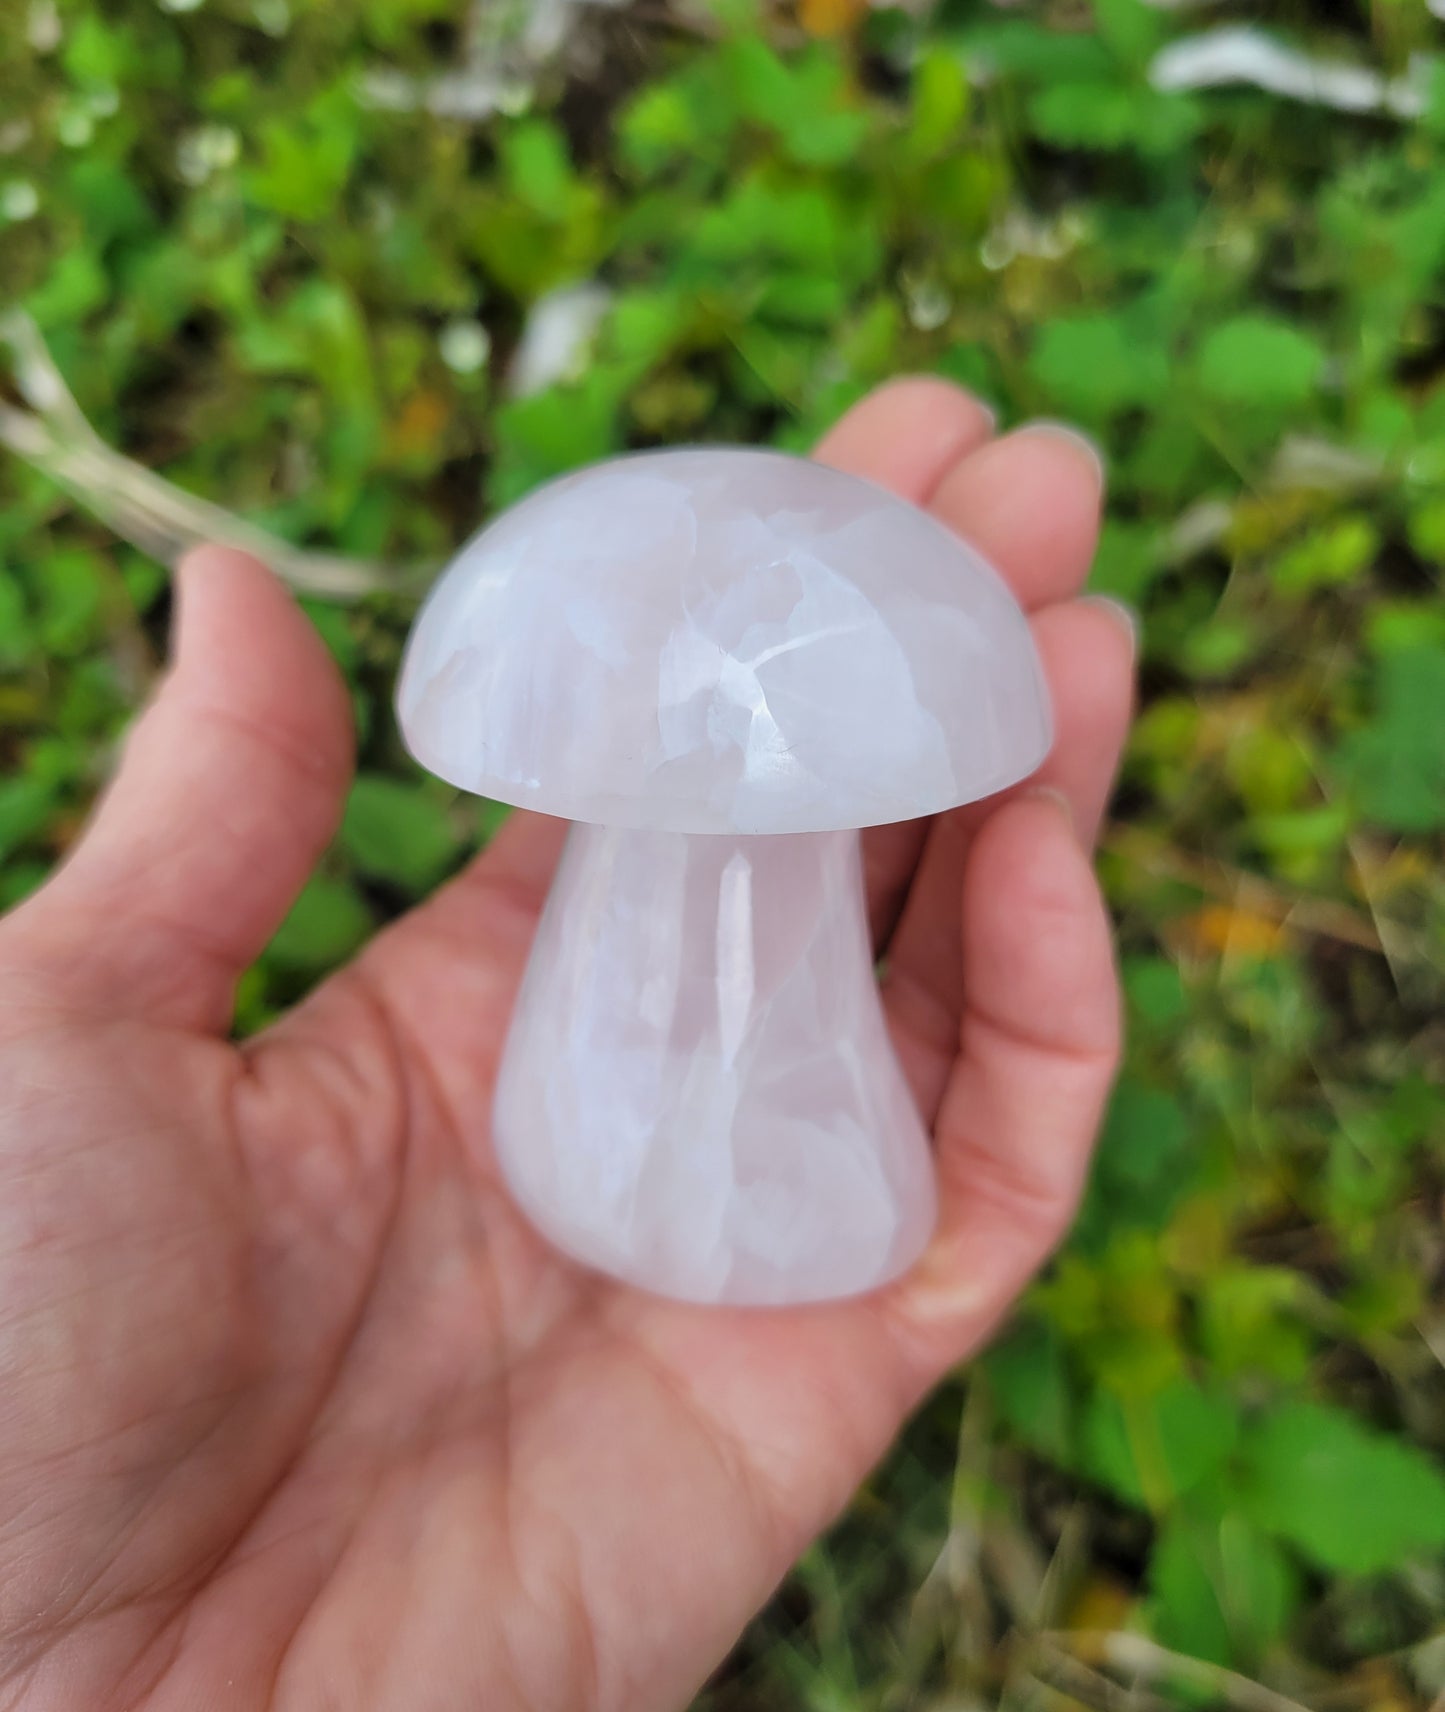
x,y
720,664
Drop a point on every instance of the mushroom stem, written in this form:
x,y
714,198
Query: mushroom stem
x,y
699,1094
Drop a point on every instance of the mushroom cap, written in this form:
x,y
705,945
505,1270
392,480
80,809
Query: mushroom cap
x,y
723,640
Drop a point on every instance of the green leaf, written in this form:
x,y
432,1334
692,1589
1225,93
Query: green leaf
x,y
1113,117
803,300
1141,1168
554,431
643,325
765,86
1248,1318
1151,1449
1427,531
96,53
1396,763
18,880
319,331
71,601
1132,30
1129,559
76,285
306,158
325,924
829,139
1338,554
337,630
1435,113
528,250
538,169
660,125
1269,767
1301,843
940,104
1155,992
1019,48
25,806
398,832
1221,1590
1029,1381
1350,1498
1097,365
687,121
1259,360
15,628
110,201
1394,626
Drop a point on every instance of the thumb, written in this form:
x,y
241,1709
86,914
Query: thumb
x,y
230,787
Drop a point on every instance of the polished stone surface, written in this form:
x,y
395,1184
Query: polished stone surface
x,y
685,651
699,1094
723,640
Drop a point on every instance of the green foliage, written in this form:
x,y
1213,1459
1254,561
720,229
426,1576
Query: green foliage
x,y
1142,1165
1221,1590
398,832
1099,365
326,924
1349,1498
1396,761
1257,360
26,804
247,266
1154,1448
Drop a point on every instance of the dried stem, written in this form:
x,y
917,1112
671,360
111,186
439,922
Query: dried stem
x,y
1145,1661
1066,1675
155,515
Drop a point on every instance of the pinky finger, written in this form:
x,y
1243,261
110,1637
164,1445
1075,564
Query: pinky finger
x,y
1040,1046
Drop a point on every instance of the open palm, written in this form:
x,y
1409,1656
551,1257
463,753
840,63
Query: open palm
x,y
295,1410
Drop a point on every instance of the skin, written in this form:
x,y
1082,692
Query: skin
x,y
295,1411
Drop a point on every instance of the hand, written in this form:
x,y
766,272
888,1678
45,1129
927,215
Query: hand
x,y
295,1411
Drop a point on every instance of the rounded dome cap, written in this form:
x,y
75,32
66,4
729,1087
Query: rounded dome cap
x,y
722,640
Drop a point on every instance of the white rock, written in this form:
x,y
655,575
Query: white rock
x,y
687,652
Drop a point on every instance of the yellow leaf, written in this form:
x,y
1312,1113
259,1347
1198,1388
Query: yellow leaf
x,y
418,429
1381,1689
1197,1240
1102,1605
1226,929
830,17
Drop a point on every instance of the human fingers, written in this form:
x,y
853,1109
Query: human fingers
x,y
1087,650
230,786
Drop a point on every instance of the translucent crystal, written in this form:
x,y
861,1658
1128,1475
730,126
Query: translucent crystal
x,y
721,663
723,641
699,1094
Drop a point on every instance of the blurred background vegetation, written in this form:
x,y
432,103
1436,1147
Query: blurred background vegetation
x,y
357,270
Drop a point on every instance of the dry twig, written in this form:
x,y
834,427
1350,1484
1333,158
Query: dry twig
x,y
153,514
1144,1661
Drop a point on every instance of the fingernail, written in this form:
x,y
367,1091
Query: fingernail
x,y
1079,441
1051,794
1126,616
